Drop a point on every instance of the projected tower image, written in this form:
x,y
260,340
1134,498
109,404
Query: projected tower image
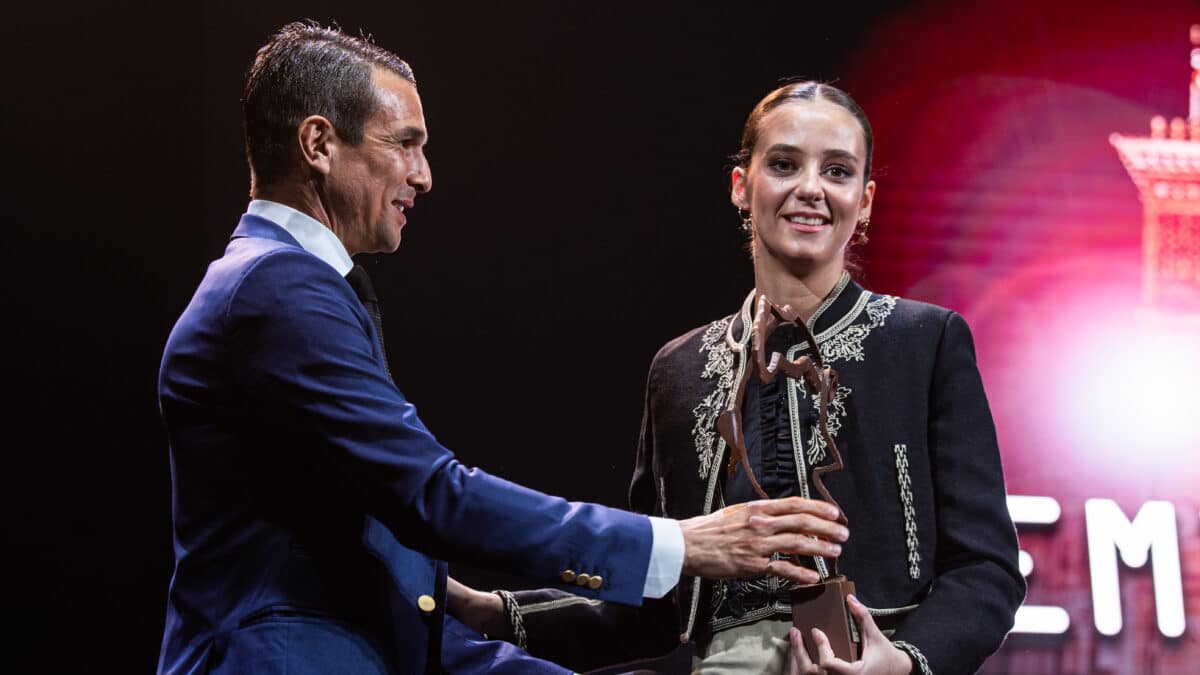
x,y
1165,166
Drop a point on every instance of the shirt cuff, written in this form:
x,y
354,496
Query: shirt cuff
x,y
666,557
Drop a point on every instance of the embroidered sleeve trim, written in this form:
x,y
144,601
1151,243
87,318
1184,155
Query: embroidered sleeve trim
x,y
557,604
892,611
513,610
910,515
915,654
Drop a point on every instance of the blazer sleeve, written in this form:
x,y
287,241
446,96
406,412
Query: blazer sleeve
x,y
977,586
306,359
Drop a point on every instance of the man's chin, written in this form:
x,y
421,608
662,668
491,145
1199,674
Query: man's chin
x,y
390,246
389,240
394,241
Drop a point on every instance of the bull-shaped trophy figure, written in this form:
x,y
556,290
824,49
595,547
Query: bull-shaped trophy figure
x,y
821,605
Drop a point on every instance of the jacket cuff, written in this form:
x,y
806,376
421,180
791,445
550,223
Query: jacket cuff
x,y
513,610
915,654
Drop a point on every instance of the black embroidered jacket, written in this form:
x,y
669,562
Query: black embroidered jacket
x,y
932,549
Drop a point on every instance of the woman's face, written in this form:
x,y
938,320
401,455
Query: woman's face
x,y
804,186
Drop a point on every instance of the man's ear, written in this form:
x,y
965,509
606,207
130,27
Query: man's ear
x,y
737,189
316,137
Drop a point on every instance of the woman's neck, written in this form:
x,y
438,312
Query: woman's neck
x,y
804,293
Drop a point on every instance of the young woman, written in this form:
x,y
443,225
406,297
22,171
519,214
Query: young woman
x,y
932,550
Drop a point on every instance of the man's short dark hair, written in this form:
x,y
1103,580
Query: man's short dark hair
x,y
307,69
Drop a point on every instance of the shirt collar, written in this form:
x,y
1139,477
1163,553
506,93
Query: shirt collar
x,y
308,232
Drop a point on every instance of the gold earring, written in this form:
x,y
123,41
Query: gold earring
x,y
860,231
747,220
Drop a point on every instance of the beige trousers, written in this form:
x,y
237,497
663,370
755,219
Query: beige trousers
x,y
759,648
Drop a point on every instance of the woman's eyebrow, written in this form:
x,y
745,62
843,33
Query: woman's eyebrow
x,y
783,147
842,154
787,148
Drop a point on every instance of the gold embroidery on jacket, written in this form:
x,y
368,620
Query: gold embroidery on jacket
x,y
847,344
910,514
720,366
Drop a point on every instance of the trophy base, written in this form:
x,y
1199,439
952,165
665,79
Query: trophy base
x,y
823,606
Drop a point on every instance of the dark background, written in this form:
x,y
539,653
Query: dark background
x,y
580,218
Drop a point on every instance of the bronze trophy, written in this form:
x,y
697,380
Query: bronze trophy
x,y
821,605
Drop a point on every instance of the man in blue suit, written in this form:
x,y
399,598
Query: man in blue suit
x,y
312,509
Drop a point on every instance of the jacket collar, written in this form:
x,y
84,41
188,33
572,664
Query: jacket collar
x,y
844,302
300,229
259,227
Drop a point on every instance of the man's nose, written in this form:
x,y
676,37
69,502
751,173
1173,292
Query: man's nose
x,y
422,178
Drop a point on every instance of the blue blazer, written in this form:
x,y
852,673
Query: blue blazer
x,y
312,508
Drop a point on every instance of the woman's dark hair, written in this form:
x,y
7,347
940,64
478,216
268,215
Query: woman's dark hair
x,y
802,91
307,69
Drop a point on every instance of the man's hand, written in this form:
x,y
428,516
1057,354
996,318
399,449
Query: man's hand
x,y
879,657
738,540
481,612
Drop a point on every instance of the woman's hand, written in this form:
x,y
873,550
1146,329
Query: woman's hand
x,y
481,612
878,657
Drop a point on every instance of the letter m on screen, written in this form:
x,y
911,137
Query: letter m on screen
x,y
1151,535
